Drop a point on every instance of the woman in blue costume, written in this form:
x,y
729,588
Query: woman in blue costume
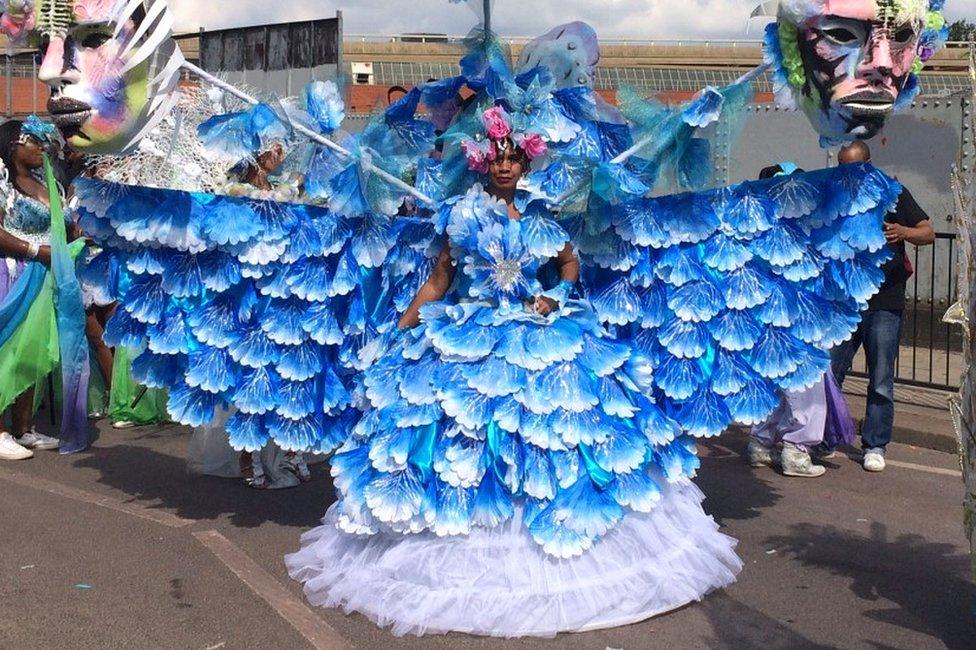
x,y
509,464
518,444
29,323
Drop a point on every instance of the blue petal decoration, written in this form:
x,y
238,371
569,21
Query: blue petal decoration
x,y
776,353
492,503
300,362
679,378
636,491
778,246
169,336
257,391
704,109
618,304
495,377
731,374
296,399
158,370
123,329
283,321
211,369
254,349
191,406
638,222
239,135
754,403
704,415
685,339
696,301
779,308
218,271
726,254
622,452
745,288
145,300
453,512
395,496
736,330
542,236
246,432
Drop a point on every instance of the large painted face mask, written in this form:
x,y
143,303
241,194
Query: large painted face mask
x,y
849,63
112,65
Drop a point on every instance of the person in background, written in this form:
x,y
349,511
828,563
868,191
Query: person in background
x,y
28,324
395,94
880,328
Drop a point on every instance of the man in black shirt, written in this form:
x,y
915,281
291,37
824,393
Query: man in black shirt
x,y
880,328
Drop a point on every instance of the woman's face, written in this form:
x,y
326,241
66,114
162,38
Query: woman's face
x,y
29,152
507,168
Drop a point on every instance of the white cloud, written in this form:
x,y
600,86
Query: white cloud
x,y
637,19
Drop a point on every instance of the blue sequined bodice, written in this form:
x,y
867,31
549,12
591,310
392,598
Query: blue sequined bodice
x,y
494,251
29,216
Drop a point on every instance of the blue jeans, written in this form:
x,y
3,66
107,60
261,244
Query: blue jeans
x,y
879,333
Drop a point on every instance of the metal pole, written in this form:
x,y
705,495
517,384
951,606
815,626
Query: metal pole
x,y
10,87
339,52
640,144
312,135
487,6
34,84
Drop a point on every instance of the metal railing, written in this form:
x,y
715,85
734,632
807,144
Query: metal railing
x,y
930,351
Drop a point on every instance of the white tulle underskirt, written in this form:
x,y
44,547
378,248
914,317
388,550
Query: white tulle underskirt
x,y
498,582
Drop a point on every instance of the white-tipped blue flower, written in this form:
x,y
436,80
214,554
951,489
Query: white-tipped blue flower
x,y
324,105
501,266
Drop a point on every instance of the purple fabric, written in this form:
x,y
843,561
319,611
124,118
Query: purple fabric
x,y
840,425
6,279
799,419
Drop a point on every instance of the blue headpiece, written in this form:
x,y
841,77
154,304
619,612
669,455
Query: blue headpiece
x,y
43,132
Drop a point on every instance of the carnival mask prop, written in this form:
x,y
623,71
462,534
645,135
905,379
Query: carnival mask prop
x,y
848,63
112,65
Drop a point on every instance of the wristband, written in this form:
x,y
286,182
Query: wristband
x,y
560,293
32,250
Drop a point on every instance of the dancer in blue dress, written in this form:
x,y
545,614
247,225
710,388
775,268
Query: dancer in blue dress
x,y
514,458
508,431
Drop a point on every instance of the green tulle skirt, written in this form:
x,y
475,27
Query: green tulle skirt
x,y
151,408
31,353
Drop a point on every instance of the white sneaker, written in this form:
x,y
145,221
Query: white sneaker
x,y
796,462
759,455
11,450
874,460
34,440
123,424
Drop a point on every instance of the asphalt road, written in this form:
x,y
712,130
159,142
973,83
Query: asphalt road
x,y
121,547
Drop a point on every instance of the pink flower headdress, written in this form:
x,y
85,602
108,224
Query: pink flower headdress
x,y
498,128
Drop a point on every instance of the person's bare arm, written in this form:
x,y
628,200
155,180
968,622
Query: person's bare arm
x,y
433,289
569,270
17,248
920,235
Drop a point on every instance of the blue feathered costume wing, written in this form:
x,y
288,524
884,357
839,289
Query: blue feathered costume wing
x,y
241,302
740,292
693,310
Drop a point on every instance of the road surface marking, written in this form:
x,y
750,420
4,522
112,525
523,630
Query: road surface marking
x,y
924,468
112,503
297,613
857,458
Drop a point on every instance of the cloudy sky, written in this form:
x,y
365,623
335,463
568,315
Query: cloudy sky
x,y
643,19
